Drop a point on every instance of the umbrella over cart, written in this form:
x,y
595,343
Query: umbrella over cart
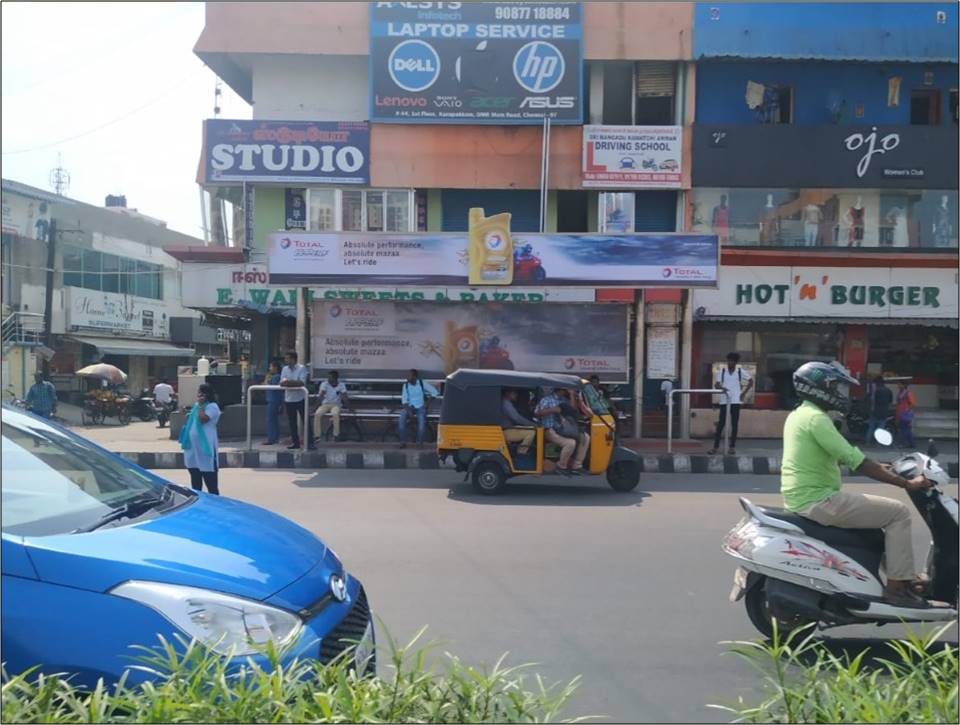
x,y
103,371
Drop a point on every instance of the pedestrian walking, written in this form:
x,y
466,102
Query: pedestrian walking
x,y
42,397
735,382
880,401
294,378
200,442
274,404
905,405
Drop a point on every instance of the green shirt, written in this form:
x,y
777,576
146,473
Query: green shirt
x,y
812,451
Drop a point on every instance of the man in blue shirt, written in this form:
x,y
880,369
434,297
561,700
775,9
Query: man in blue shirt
x,y
42,397
414,400
551,417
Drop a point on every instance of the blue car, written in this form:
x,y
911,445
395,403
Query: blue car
x,y
99,555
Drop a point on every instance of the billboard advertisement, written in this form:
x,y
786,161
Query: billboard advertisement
x,y
476,62
439,259
388,338
297,152
642,157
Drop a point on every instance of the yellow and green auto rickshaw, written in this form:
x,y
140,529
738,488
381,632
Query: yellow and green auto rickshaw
x,y
471,431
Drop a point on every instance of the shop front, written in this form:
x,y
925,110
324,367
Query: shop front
x,y
895,322
890,188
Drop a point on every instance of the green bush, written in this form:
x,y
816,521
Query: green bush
x,y
805,682
193,684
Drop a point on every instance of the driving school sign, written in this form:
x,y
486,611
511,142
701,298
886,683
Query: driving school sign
x,y
476,62
286,151
632,156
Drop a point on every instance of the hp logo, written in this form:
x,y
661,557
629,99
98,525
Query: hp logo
x,y
414,65
538,66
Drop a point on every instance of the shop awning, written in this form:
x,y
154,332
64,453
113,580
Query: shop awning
x,y
121,346
918,321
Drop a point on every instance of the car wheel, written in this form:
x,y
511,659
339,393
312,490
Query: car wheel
x,y
489,478
758,610
623,475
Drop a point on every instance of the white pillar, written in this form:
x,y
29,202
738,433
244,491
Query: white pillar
x,y
596,93
639,366
686,364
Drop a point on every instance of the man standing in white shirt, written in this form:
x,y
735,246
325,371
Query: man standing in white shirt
x,y
294,378
736,383
333,395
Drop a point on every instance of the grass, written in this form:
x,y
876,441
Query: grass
x,y
193,684
805,682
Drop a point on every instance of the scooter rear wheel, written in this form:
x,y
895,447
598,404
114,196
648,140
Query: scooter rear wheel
x,y
758,610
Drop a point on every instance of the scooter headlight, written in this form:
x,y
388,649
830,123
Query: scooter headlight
x,y
225,623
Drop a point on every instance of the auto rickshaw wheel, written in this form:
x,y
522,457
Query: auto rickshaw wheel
x,y
623,475
489,478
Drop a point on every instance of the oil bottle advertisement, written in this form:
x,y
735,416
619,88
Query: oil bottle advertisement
x,y
490,254
387,338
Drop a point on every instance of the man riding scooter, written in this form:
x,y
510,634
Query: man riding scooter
x,y
810,476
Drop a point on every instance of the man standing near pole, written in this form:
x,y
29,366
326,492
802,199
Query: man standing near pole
x,y
736,383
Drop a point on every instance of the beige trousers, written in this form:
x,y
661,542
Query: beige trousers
x,y
863,511
333,411
568,446
523,436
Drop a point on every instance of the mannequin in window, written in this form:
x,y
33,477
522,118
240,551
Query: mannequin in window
x,y
769,223
721,220
943,223
854,221
812,217
897,219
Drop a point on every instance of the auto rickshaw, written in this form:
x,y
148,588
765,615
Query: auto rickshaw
x,y
470,430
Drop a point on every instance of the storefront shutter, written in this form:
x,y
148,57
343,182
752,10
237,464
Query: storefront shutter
x,y
656,211
655,78
523,205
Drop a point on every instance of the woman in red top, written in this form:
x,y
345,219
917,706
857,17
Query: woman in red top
x,y
905,404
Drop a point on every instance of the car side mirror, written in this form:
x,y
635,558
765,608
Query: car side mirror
x,y
883,437
932,451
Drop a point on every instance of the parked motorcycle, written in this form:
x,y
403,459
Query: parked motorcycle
x,y
797,572
163,410
142,407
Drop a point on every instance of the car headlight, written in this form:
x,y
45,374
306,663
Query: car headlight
x,y
225,623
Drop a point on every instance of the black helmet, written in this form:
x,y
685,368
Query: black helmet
x,y
826,385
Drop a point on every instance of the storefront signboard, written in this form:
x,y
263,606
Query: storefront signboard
x,y
662,352
209,286
25,217
643,157
470,62
389,338
834,292
434,259
88,309
286,151
842,156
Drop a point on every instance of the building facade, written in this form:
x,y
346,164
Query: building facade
x,y
115,296
824,158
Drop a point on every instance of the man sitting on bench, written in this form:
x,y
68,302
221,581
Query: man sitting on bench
x,y
511,419
333,396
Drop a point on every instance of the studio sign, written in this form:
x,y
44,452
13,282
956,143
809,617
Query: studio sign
x,y
856,141
285,157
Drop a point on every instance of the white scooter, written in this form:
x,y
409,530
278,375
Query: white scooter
x,y
798,572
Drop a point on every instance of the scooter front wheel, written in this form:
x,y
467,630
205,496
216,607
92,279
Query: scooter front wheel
x,y
758,610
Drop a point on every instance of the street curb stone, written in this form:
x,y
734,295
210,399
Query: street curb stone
x,y
428,461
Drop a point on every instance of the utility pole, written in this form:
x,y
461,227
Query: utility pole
x,y
48,292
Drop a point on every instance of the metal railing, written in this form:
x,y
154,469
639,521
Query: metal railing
x,y
688,391
21,328
305,441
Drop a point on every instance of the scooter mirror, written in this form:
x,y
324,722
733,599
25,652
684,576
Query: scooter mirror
x,y
883,437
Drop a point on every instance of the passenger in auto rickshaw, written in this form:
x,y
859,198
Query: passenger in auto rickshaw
x,y
569,438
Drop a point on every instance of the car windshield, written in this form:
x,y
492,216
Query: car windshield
x,y
55,484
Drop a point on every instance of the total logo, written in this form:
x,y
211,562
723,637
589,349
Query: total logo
x,y
569,363
285,243
414,65
683,272
336,311
538,66
494,241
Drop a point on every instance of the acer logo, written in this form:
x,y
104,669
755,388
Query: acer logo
x,y
548,102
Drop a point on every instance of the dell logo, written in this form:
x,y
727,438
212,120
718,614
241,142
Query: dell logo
x,y
414,65
538,66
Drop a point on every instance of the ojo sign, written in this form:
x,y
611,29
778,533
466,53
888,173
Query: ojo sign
x,y
286,151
